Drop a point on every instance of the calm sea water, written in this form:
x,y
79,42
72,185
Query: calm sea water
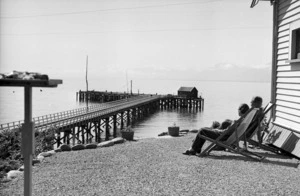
x,y
221,102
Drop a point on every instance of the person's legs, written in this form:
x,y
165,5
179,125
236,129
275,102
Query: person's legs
x,y
206,131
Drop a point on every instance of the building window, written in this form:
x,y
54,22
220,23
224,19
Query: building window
x,y
294,49
295,44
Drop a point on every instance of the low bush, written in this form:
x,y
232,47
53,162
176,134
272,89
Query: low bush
x,y
10,147
44,141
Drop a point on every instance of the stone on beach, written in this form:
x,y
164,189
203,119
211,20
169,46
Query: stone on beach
x,y
163,133
35,161
91,146
40,157
78,147
194,131
21,168
52,152
57,150
184,131
118,140
106,144
65,147
47,154
13,174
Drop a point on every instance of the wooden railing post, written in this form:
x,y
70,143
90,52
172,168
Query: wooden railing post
x,y
115,125
122,120
107,134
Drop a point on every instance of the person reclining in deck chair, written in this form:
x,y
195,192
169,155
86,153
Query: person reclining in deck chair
x,y
213,132
258,120
196,147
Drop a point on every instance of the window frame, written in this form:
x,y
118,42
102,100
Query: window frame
x,y
293,42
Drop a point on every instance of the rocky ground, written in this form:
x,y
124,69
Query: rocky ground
x,y
158,167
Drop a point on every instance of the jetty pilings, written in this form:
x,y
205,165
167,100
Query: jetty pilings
x,y
173,102
108,124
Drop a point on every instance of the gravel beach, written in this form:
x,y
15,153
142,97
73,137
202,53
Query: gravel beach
x,y
156,166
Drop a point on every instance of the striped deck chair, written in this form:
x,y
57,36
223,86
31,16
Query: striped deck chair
x,y
260,132
235,132
255,130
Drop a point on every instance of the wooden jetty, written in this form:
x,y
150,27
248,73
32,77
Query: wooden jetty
x,y
87,124
102,96
168,101
182,102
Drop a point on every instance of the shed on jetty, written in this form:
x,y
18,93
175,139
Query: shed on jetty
x,y
188,92
285,132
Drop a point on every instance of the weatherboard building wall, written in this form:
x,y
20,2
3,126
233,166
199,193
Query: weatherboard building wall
x,y
285,132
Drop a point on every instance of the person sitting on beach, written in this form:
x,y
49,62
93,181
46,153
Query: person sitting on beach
x,y
213,133
215,125
256,102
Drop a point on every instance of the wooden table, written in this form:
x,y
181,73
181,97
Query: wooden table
x,y
28,146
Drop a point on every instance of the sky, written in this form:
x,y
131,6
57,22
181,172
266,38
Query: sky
x,y
137,39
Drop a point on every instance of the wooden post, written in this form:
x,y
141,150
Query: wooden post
x,y
99,131
115,125
133,114
122,120
58,138
87,133
77,133
87,84
138,113
72,130
67,136
274,55
96,130
173,103
107,129
82,133
64,137
128,118
98,125
28,141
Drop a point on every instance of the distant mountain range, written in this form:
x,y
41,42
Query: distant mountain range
x,y
223,72
219,72
237,74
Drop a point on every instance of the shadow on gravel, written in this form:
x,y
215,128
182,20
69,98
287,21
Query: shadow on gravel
x,y
168,136
286,164
275,156
241,158
134,140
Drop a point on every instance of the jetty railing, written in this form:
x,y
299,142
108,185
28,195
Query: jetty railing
x,y
51,119
94,114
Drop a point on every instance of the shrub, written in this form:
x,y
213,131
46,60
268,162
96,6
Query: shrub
x,y
10,147
44,141
10,144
